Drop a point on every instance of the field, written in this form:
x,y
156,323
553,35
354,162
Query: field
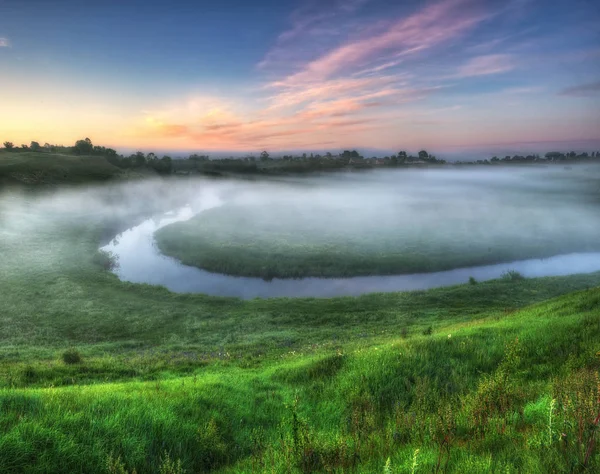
x,y
97,375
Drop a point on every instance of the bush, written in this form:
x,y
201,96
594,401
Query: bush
x,y
107,260
512,275
472,281
72,356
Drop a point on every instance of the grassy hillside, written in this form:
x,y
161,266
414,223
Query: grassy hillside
x,y
512,392
101,376
33,168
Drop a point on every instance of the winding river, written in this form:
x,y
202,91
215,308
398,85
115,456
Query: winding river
x,y
140,261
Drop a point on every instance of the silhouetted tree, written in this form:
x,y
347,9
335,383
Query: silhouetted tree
x,y
139,159
35,146
83,147
423,155
9,145
264,156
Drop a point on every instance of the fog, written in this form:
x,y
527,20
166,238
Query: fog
x,y
408,210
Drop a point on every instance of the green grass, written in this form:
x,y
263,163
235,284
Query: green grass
x,y
151,378
282,241
35,168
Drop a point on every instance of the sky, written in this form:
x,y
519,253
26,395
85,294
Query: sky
x,y
243,76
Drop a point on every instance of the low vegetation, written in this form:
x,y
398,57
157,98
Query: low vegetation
x,y
97,375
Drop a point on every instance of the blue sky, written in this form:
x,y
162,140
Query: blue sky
x,y
291,74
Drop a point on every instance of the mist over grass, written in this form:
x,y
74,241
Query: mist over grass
x,y
98,375
378,223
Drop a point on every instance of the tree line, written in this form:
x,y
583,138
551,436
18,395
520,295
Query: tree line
x,y
265,162
85,147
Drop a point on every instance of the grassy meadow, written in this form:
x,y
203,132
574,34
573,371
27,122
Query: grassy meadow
x,y
98,375
393,225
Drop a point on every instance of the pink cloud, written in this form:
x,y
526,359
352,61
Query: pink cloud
x,y
429,27
310,24
349,88
4,43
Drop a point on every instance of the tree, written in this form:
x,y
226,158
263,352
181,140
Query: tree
x,y
139,159
423,155
35,146
9,145
264,156
83,147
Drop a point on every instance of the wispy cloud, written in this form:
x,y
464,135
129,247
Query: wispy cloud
x,y
486,65
582,90
436,24
345,84
310,25
4,43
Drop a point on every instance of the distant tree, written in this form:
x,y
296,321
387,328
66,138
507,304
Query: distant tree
x,y
264,156
495,159
553,155
394,160
9,145
163,166
423,155
83,147
139,159
24,147
35,146
328,154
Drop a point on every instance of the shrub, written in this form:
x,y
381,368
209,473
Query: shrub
x,y
512,275
500,392
578,416
211,445
472,281
72,356
428,331
107,260
170,466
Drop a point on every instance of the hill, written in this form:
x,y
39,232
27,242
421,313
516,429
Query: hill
x,y
35,168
